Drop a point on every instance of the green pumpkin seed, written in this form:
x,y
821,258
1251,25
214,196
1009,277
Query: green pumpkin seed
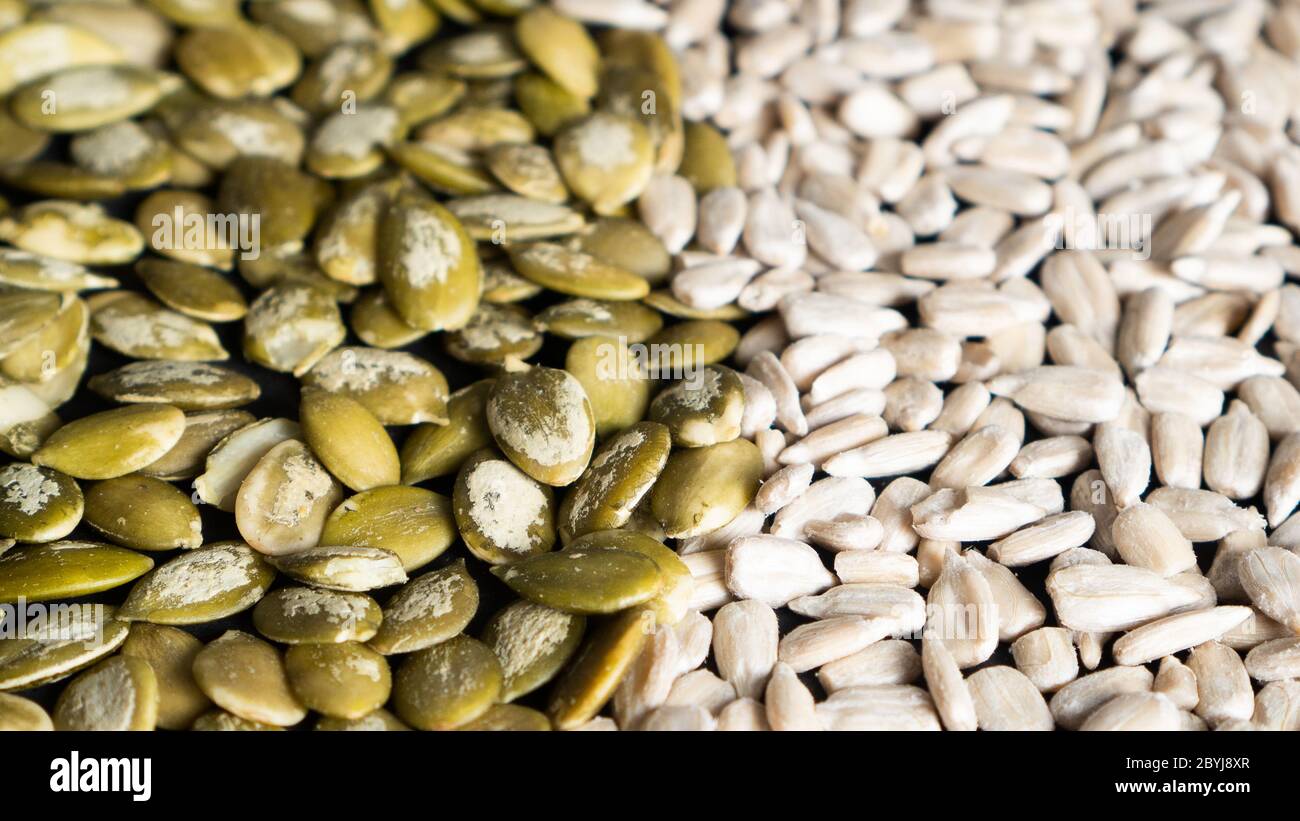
x,y
73,232
509,717
347,680
221,721
428,265
348,440
398,388
506,218
140,328
477,55
143,513
503,514
703,410
162,214
170,653
294,267
674,599
614,379
476,128
202,433
561,48
33,271
312,26
542,420
235,456
348,144
199,586
200,13
696,343
60,384
413,523
186,385
84,634
403,23
528,170
283,501
621,474
606,159
220,131
428,610
637,62
345,243
33,49
627,244
291,326
380,720
532,642
548,105
377,324
64,570
581,318
664,302
37,504
437,450
120,693
702,489
246,676
55,179
586,582
125,150
501,285
448,685
707,162
193,290
443,169
237,60
420,96
18,714
309,615
85,97
347,568
22,314
112,443
575,273
19,143
348,73
287,199
499,335
53,348
505,8
591,679
26,420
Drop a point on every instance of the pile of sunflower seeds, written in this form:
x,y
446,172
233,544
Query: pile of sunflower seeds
x,y
924,365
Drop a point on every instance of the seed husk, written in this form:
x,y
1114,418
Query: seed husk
x,y
235,456
437,450
245,675
137,327
349,569
702,489
39,504
35,657
170,653
283,501
427,611
18,714
203,431
189,386
112,443
310,615
621,474
143,513
448,685
542,420
596,671
199,586
67,569
398,388
346,680
348,440
117,694
415,524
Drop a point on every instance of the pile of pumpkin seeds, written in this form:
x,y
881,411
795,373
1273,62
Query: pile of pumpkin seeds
x,y
634,365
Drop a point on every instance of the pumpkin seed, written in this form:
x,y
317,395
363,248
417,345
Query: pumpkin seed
x,y
38,504
576,273
348,440
218,132
55,347
621,474
548,105
26,420
398,388
170,653
158,217
56,179
33,49
411,522
475,128
502,514
246,676
237,59
477,55
561,48
202,433
26,270
143,513
112,443
437,450
380,720
421,96
235,456
349,144
589,581
428,610
350,569
615,380
291,326
345,242
18,714
703,410
528,170
533,642
674,598
506,218
80,98
186,385
696,343
199,586
73,232
287,200
581,318
19,143
125,150
22,313
501,335
64,570
138,327
120,693
606,159
508,717
85,634
377,324
448,685
193,290
443,169
403,23
502,285
283,501
347,680
590,681
541,419
665,302
313,25
201,13
428,265
702,489
348,73
707,163
309,615
221,721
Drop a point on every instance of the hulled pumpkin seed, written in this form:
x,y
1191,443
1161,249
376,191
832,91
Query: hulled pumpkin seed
x,y
548,105
437,450
501,335
237,59
560,47
428,610
581,318
22,313
125,150
347,680
533,642
192,290
290,327
85,97
348,73
202,433
703,410
509,717
702,489
707,163
170,652
283,501
182,226
350,144
506,218
347,568
73,232
42,356
589,581
112,443
420,96
693,344
18,714
674,598
38,504
542,420
345,242
36,48
528,170
55,179
475,128
377,324
120,693
140,328
478,55
287,200
576,273
189,386
27,270
443,169
403,23
411,522
235,456
591,679
26,420
627,244
398,388
606,159
665,302
64,570
222,721
428,265
448,685
201,585
18,142
503,514
348,440
86,633
201,13
621,475
143,513
246,676
614,378
379,720
310,615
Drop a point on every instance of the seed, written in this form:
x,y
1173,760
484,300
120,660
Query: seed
x,y
1108,598
137,327
112,443
347,680
1177,682
200,585
347,568
447,685
186,385
1047,658
1274,660
1222,683
893,455
413,523
1044,540
170,653
533,642
246,676
32,658
397,388
1178,632
1134,711
704,410
620,476
1074,702
379,721
1005,699
39,504
221,721
585,581
283,501
510,717
309,615
143,513
427,611
1271,577
66,570
291,326
117,694
543,422
349,440
600,665
435,450
20,714
235,456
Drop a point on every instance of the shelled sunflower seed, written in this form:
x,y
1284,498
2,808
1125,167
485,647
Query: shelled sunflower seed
x,y
789,343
